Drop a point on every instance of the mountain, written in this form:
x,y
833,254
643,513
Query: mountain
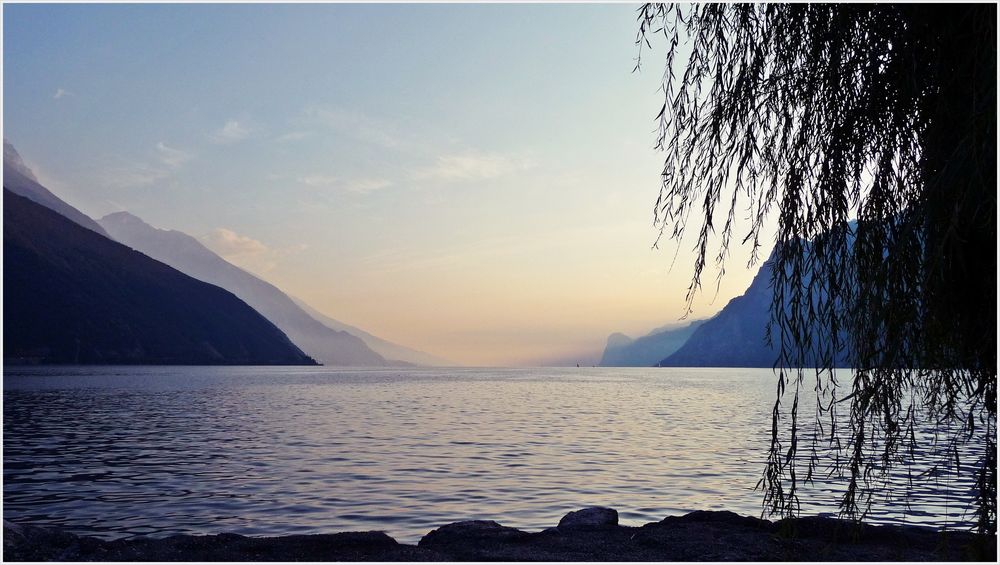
x,y
384,348
648,350
19,179
71,295
186,254
736,336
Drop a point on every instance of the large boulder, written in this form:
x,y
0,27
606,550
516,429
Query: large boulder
x,y
470,532
593,517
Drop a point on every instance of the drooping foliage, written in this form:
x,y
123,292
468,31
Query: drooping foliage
x,y
868,131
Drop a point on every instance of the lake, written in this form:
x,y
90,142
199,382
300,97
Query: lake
x,y
125,451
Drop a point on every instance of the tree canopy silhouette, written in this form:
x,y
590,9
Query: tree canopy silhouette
x,y
869,131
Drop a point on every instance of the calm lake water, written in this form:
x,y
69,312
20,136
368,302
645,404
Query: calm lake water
x,y
124,451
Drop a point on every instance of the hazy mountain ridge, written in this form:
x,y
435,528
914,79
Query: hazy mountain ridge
x,y
387,349
648,350
12,160
337,345
71,295
21,180
185,253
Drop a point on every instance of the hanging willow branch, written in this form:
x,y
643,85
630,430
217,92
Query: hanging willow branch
x,y
869,131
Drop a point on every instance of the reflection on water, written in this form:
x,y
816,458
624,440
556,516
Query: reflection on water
x,y
121,451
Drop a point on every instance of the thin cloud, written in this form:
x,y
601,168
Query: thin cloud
x,y
247,252
364,186
160,166
357,186
357,125
291,136
132,176
172,157
319,180
472,166
241,250
228,243
231,132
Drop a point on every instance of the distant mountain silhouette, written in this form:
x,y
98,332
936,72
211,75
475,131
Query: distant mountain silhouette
x,y
72,295
384,348
186,254
648,350
21,180
737,335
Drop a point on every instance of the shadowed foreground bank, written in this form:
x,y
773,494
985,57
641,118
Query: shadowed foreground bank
x,y
592,534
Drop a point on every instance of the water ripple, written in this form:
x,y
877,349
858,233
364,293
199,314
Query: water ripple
x,y
117,452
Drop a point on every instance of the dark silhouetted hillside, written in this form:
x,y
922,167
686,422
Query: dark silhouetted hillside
x,y
737,335
72,295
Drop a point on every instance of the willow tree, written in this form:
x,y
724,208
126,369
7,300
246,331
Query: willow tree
x,y
868,132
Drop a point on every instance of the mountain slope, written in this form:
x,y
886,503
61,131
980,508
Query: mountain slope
x,y
188,255
384,348
648,350
736,336
72,295
19,179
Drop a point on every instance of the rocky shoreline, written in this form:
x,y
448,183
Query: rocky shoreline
x,y
591,534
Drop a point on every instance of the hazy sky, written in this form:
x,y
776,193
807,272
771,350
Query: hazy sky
x,y
474,181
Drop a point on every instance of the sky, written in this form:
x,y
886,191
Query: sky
x,y
473,181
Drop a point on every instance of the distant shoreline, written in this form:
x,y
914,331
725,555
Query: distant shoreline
x,y
591,534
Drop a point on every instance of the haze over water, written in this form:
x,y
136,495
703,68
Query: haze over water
x,y
123,451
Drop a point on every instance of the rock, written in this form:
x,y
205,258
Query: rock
x,y
12,532
591,534
475,540
721,516
33,543
13,536
593,517
470,532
